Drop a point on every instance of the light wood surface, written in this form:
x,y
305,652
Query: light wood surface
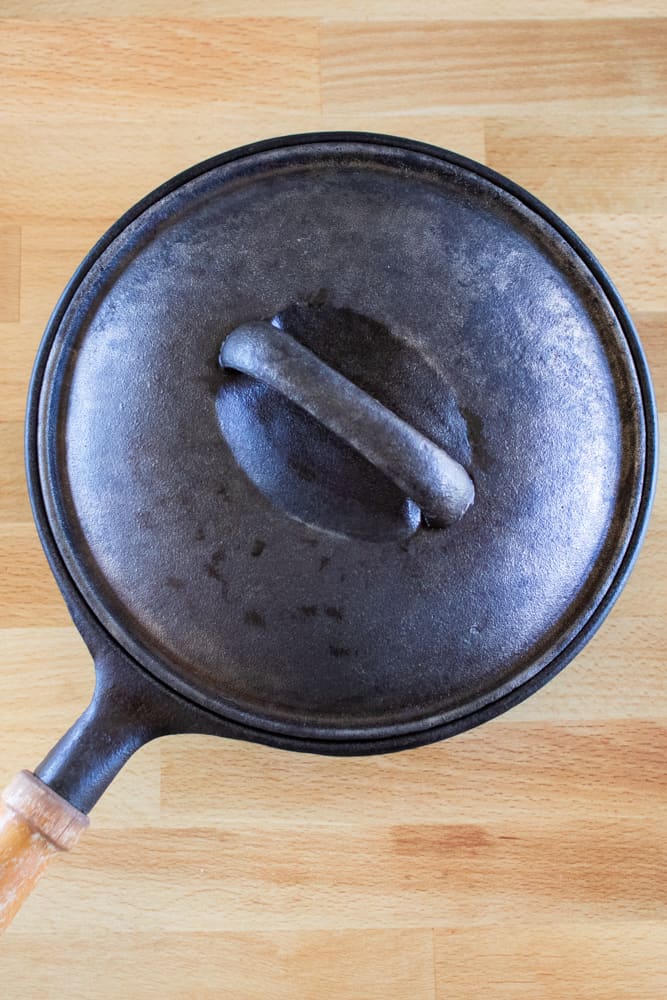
x,y
527,859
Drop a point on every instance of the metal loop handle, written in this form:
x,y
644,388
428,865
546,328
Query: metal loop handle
x,y
422,470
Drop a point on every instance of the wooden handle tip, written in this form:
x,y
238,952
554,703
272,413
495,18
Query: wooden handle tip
x,y
35,825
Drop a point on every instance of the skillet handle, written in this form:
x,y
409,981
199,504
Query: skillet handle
x,y
36,824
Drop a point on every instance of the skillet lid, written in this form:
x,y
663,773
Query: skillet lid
x,y
257,399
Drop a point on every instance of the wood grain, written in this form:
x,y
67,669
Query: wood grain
x,y
347,10
522,860
393,66
652,329
10,273
256,63
346,965
587,961
618,167
35,825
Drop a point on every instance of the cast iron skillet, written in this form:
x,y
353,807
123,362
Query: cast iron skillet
x,y
137,697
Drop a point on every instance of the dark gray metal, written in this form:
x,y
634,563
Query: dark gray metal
x,y
234,565
422,470
484,332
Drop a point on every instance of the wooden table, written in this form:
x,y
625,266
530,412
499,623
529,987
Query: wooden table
x,y
523,860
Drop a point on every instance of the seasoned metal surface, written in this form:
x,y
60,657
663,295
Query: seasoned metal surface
x,y
499,346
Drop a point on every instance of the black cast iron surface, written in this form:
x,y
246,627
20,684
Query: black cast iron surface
x,y
298,599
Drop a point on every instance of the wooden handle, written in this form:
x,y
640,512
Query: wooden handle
x,y
36,824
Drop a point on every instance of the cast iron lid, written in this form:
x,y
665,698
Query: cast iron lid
x,y
291,547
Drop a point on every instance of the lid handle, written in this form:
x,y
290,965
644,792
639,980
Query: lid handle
x,y
422,470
